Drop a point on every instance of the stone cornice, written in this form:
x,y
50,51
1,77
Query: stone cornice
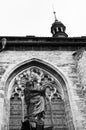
x,y
42,41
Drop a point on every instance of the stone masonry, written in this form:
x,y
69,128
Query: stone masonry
x,y
67,61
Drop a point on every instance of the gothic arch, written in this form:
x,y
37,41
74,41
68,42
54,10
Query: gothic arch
x,y
15,69
54,71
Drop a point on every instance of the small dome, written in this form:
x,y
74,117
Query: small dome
x,y
58,29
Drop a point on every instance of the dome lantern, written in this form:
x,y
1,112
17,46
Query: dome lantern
x,y
58,28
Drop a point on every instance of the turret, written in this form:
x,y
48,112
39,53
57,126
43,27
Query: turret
x,y
58,28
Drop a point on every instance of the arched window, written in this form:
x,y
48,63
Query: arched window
x,y
59,29
37,82
41,94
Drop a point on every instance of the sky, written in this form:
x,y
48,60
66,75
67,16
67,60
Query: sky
x,y
35,17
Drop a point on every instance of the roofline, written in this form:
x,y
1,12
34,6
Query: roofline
x,y
33,37
43,41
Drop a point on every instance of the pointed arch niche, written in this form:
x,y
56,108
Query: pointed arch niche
x,y
58,111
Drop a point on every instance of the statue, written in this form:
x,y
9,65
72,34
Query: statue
x,y
35,100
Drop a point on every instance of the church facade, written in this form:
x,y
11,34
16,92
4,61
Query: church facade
x,y
42,81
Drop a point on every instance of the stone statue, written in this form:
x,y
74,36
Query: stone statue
x,y
35,100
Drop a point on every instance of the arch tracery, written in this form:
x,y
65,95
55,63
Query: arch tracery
x,y
37,79
24,73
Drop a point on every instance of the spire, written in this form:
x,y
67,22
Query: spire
x,y
55,16
58,28
54,12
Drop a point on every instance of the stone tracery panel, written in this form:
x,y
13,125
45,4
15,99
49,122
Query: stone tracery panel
x,y
36,80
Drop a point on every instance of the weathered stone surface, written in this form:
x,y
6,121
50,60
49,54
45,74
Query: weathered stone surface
x,y
65,62
81,85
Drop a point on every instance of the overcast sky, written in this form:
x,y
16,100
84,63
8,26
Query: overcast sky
x,y
35,17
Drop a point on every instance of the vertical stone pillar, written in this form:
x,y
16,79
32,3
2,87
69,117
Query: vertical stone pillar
x,y
1,108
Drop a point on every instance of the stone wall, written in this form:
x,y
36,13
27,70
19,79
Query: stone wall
x,y
80,59
64,61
